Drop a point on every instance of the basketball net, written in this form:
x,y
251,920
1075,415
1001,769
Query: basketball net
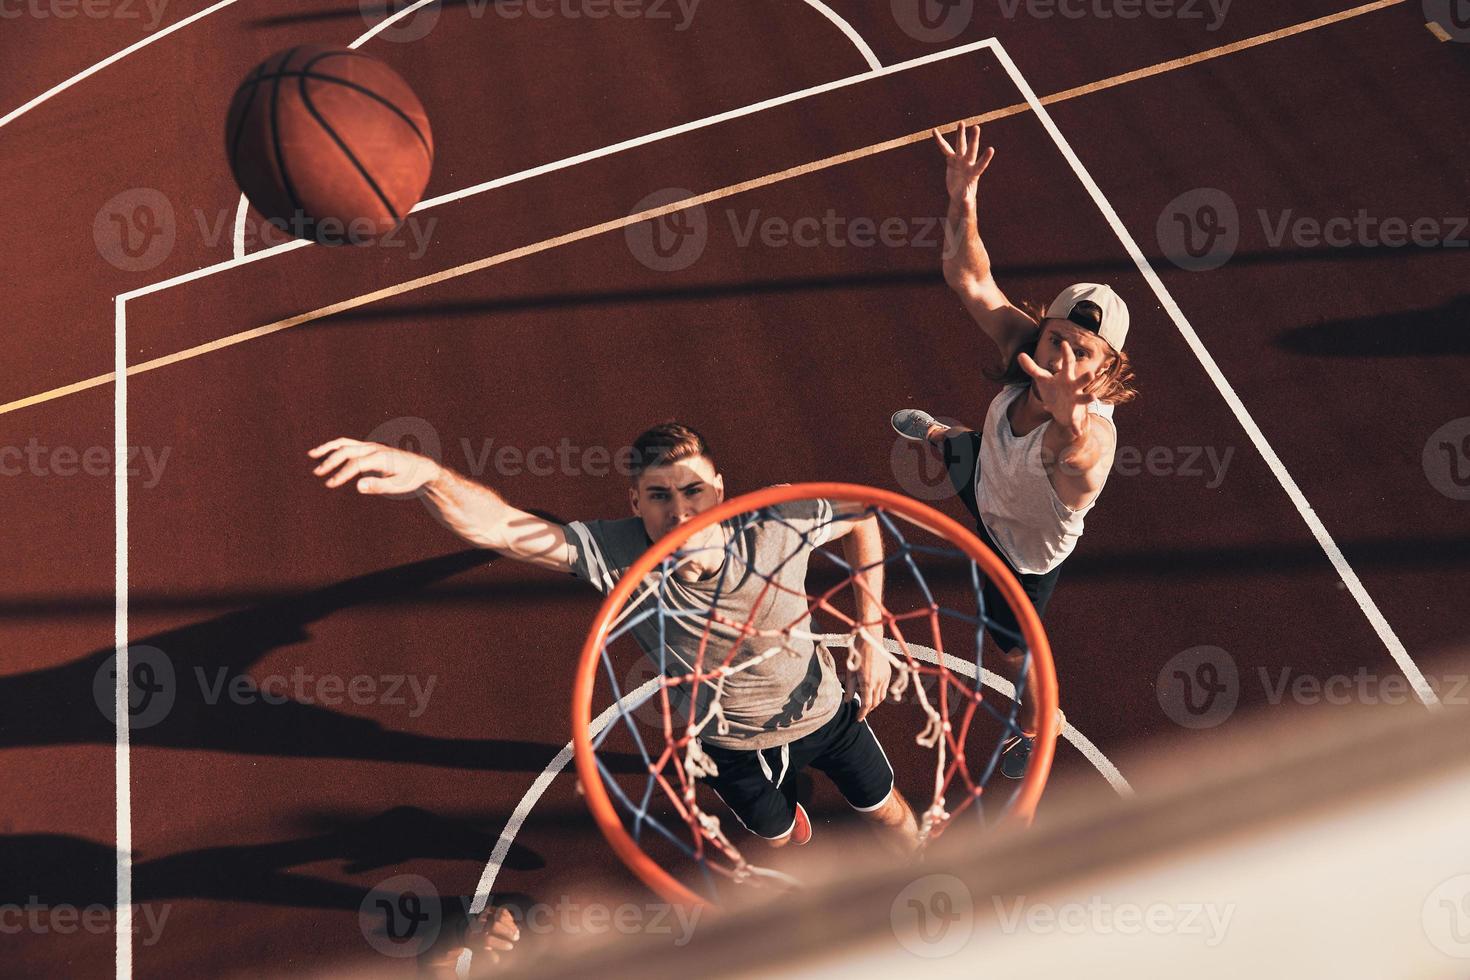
x,y
933,615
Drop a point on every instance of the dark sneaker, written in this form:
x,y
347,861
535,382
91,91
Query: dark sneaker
x,y
1015,756
913,424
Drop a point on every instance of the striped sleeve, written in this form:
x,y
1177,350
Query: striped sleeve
x,y
825,520
603,550
813,518
589,563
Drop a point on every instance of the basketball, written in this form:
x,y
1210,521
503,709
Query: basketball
x,y
329,144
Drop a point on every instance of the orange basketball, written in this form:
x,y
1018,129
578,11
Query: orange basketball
x,y
329,144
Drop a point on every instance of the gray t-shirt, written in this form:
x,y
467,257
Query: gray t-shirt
x,y
785,696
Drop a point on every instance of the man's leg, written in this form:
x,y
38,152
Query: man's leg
x,y
747,782
1013,661
1004,637
894,820
851,756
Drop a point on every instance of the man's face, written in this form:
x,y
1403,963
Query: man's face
x,y
668,496
1091,351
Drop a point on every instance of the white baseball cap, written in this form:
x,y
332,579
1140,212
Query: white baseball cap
x,y
1095,308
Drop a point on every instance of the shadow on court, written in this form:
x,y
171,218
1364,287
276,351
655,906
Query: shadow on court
x,y
1441,332
54,869
179,699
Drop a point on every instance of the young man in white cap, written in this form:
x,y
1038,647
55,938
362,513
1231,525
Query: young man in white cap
x,y
1035,469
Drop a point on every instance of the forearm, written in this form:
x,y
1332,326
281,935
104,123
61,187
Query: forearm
x,y
1078,451
469,509
966,261
863,549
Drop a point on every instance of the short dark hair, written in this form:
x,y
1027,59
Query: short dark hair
x,y
666,444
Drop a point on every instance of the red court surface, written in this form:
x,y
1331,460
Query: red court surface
x,y
538,315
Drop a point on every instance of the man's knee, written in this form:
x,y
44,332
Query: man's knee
x,y
890,812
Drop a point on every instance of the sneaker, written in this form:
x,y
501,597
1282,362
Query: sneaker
x,y
1015,756
913,424
801,833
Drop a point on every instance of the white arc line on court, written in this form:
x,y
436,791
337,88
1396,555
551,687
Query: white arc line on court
x,y
850,31
1334,554
88,73
388,22
553,768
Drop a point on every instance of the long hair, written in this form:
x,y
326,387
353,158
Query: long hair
x,y
1113,384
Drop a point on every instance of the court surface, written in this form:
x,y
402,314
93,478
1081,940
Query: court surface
x,y
672,213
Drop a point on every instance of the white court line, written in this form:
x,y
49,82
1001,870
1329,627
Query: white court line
x,y
580,158
606,151
704,123
388,22
850,31
875,66
1242,415
122,752
553,768
130,49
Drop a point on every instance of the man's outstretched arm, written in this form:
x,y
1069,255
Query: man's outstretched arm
x,y
471,510
967,267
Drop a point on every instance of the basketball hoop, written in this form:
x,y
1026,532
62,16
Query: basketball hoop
x,y
936,571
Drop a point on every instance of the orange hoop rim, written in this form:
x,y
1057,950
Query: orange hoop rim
x,y
1022,806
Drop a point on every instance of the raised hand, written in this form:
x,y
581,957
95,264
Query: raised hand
x,y
1065,393
378,469
965,161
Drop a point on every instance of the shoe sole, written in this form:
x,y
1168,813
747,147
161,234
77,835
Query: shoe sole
x,y
802,814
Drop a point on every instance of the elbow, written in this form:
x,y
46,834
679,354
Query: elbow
x,y
965,283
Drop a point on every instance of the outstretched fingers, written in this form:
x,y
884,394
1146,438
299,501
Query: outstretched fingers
x,y
944,146
370,464
1032,368
341,455
331,446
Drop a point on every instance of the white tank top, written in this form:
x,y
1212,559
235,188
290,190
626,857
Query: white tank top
x,y
1034,529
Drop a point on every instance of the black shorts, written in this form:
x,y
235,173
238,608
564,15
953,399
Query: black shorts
x,y
760,785
962,460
